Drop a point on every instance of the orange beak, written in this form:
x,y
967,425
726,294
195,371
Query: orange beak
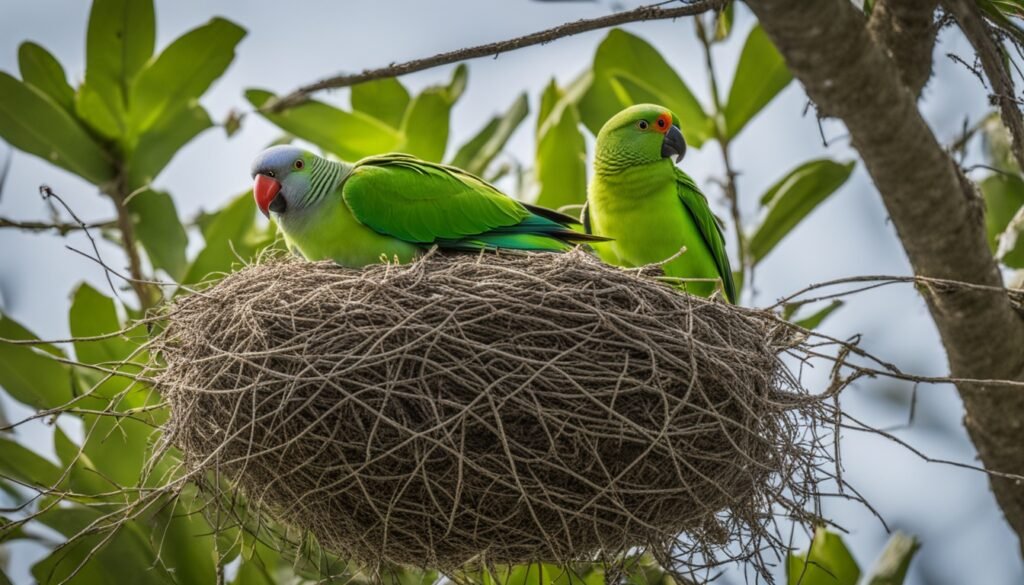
x,y
265,189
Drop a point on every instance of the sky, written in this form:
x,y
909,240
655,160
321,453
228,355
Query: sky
x,y
965,538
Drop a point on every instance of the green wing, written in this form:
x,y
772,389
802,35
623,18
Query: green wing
x,y
697,204
429,203
421,202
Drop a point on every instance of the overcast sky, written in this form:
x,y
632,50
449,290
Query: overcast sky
x,y
965,537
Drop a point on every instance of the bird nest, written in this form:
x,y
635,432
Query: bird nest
x,y
500,408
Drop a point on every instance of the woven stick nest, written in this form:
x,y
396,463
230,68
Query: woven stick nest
x,y
499,408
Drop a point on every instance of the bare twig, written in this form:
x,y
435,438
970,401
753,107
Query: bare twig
x,y
990,54
50,196
62,228
651,12
877,280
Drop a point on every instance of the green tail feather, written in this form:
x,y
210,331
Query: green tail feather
x,y
536,232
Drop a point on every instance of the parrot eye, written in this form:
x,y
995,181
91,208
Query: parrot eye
x,y
299,164
642,124
661,122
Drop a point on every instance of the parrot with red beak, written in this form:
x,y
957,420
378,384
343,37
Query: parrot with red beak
x,y
395,206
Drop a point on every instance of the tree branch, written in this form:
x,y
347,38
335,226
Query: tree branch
x,y
906,28
723,139
148,295
651,12
991,56
62,228
936,211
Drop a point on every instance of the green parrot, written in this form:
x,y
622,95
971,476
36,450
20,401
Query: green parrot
x,y
395,206
649,209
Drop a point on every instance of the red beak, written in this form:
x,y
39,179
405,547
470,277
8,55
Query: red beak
x,y
264,190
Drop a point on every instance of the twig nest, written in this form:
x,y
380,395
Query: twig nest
x,y
489,409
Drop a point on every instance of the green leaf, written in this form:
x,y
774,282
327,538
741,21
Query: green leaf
x,y
384,99
93,314
425,127
477,154
457,85
229,233
997,144
533,574
42,71
233,123
160,232
8,531
1011,242
465,154
118,448
574,93
426,123
828,562
793,198
21,463
82,475
644,570
126,558
349,135
561,167
551,96
158,145
411,576
760,75
119,41
186,540
261,564
891,566
723,22
1002,13
183,72
627,71
29,374
1004,195
92,108
254,572
32,122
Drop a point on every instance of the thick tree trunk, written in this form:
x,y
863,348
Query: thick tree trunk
x,y
936,211
906,29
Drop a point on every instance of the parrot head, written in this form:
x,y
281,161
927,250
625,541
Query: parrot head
x,y
641,134
282,178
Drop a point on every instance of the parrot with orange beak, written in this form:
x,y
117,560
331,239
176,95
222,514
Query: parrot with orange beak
x,y
395,206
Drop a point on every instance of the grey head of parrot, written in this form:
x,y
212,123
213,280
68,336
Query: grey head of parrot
x,y
281,175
